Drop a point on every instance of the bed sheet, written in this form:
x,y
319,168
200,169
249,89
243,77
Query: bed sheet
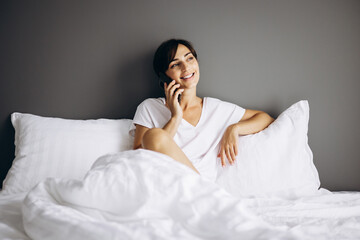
x,y
326,213
330,215
11,225
148,195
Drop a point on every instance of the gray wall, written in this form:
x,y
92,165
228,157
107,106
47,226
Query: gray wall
x,y
91,59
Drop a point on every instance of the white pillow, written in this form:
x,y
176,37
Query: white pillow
x,y
276,161
55,147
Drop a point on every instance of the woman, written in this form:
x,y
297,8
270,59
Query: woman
x,y
196,131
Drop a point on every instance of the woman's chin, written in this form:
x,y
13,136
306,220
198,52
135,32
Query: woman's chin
x,y
190,83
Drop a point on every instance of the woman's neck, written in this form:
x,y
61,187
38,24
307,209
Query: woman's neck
x,y
189,100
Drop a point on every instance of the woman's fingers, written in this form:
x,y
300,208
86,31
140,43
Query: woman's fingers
x,y
227,152
179,91
168,86
222,156
171,85
235,151
232,153
171,90
229,147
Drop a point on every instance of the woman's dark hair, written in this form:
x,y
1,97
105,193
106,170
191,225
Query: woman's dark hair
x,y
166,53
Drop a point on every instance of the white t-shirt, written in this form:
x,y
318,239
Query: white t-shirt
x,y
200,143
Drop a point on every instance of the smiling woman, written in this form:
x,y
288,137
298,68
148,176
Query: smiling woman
x,y
196,131
184,68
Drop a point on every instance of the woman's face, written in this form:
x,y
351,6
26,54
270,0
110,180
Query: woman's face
x,y
184,68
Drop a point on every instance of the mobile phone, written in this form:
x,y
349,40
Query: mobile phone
x,y
167,80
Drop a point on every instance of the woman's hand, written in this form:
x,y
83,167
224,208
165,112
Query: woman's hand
x,y
172,92
229,145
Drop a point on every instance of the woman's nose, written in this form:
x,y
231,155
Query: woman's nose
x,y
185,67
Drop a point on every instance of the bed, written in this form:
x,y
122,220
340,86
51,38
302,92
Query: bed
x,y
80,179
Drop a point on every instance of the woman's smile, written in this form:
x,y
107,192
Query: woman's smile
x,y
188,77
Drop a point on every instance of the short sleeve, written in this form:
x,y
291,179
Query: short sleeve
x,y
234,112
142,117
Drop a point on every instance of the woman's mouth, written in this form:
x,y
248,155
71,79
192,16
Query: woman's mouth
x,y
188,77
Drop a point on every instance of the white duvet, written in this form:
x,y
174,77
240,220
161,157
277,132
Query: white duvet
x,y
140,194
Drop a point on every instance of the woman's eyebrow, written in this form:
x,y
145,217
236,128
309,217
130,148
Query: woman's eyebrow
x,y
184,56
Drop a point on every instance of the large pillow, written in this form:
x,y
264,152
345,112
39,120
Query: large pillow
x,y
55,147
276,161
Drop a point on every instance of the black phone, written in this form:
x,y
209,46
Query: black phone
x,y
167,80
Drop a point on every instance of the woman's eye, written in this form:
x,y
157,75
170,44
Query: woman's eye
x,y
173,65
190,58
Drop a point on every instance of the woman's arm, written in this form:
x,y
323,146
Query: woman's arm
x,y
139,134
253,121
176,114
171,127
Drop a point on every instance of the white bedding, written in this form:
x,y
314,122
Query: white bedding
x,y
146,195
11,226
338,211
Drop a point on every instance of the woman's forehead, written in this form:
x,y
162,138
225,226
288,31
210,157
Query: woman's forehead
x,y
182,50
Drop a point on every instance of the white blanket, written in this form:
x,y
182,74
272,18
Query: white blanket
x,y
147,195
